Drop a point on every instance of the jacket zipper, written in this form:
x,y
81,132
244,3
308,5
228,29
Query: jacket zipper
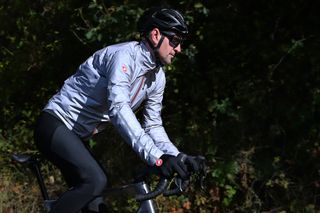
x,y
139,88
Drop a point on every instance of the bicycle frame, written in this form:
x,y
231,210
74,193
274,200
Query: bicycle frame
x,y
146,206
140,190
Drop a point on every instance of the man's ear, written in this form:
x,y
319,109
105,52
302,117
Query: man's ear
x,y
155,36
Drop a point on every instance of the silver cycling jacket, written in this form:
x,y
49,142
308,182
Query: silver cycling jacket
x,y
109,86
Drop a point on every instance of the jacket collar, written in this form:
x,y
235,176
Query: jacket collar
x,y
149,57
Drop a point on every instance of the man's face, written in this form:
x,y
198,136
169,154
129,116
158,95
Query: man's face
x,y
169,48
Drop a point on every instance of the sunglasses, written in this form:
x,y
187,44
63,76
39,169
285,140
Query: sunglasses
x,y
174,40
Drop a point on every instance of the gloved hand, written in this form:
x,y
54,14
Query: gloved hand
x,y
169,165
192,163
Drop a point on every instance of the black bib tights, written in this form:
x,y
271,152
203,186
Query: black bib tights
x,y
83,174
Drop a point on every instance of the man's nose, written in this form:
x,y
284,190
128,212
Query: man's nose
x,y
178,48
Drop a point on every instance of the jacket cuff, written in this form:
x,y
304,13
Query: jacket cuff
x,y
153,157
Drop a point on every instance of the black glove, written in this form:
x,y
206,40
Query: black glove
x,y
193,164
171,164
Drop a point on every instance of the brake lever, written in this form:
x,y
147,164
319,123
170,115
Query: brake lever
x,y
180,186
201,176
178,182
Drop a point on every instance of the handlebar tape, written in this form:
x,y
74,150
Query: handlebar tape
x,y
162,185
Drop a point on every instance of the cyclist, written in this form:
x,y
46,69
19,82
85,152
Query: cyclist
x,y
108,87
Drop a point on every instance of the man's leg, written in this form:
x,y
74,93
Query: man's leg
x,y
70,153
97,205
67,151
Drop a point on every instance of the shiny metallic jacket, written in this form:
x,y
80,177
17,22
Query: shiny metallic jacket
x,y
109,86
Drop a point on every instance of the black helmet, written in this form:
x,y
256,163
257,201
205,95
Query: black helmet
x,y
167,20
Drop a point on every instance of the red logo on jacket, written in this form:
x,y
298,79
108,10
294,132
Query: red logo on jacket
x,y
124,68
159,162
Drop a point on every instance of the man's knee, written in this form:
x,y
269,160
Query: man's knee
x,y
97,182
100,184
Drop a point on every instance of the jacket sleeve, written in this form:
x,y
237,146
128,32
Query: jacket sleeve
x,y
120,112
152,118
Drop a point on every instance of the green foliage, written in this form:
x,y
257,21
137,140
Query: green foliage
x,y
108,24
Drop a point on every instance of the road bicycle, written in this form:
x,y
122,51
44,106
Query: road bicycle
x,y
140,189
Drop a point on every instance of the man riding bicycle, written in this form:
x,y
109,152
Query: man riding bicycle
x,y
108,87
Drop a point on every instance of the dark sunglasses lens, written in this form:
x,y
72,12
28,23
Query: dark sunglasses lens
x,y
175,41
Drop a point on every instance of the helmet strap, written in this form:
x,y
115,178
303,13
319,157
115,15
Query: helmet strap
x,y
156,50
